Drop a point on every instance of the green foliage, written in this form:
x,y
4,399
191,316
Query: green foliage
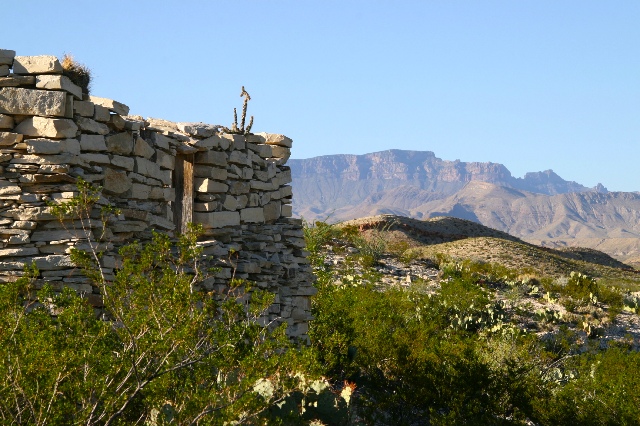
x,y
605,392
163,352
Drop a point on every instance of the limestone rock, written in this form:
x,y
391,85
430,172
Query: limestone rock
x,y
46,146
8,138
252,215
120,143
140,191
83,108
199,130
274,139
143,149
116,181
44,64
58,82
166,161
6,122
91,126
272,211
4,70
124,162
117,107
6,56
217,219
92,143
101,114
17,80
21,101
212,157
59,128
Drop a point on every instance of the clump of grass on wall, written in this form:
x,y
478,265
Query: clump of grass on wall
x,y
78,73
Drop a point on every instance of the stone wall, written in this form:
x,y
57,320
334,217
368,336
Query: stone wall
x,y
160,174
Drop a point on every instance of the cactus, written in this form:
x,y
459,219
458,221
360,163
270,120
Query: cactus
x,y
241,130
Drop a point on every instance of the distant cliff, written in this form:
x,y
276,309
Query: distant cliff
x,y
541,207
333,183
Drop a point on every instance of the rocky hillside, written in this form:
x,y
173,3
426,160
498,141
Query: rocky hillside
x,y
541,208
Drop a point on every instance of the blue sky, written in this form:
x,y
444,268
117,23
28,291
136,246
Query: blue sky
x,y
532,84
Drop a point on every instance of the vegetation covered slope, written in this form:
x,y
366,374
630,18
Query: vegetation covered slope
x,y
478,342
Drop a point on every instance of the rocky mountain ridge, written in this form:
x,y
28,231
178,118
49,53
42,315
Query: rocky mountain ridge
x,y
540,208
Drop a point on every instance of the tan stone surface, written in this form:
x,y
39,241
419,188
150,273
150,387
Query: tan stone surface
x,y
6,122
58,82
120,143
21,101
44,64
114,106
8,138
116,181
47,127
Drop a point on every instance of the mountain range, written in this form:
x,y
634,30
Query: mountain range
x,y
540,208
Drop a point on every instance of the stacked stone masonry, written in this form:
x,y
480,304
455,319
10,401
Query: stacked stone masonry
x,y
160,175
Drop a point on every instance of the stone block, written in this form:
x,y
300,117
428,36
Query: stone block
x,y
92,143
120,143
157,193
129,226
8,138
280,152
252,215
143,149
286,192
46,146
151,169
159,140
6,56
101,114
140,191
6,122
169,194
17,80
91,126
9,188
116,182
208,185
44,64
27,251
117,122
214,158
199,130
57,235
4,70
274,139
215,141
83,108
217,219
95,158
230,203
114,106
272,211
22,101
166,161
287,210
125,162
58,128
237,157
58,82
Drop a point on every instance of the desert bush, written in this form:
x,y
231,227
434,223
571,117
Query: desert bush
x,y
78,73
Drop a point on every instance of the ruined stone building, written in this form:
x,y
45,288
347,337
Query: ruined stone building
x,y
161,175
